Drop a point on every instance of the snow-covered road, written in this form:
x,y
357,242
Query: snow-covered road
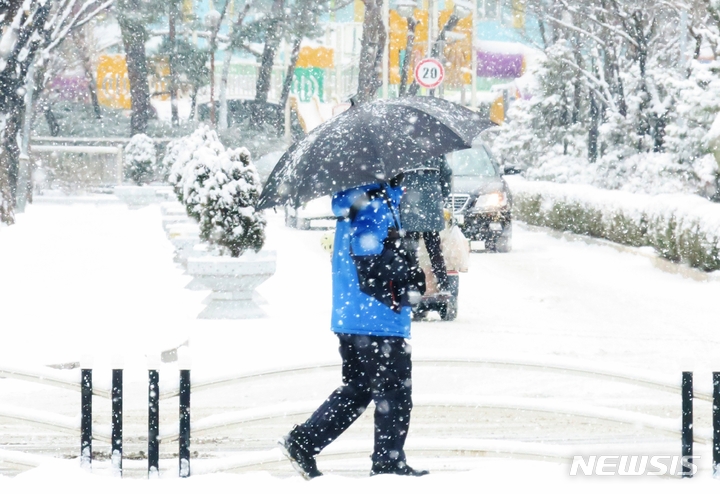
x,y
98,280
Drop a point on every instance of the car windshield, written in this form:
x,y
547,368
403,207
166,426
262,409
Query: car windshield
x,y
474,161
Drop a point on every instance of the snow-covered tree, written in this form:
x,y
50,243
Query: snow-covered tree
x,y
268,23
229,218
219,189
190,65
622,99
371,51
134,16
181,152
191,159
172,153
140,158
29,31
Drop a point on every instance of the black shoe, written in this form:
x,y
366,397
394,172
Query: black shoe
x,y
301,461
400,468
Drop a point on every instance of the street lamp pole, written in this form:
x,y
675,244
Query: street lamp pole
x,y
213,19
386,48
473,56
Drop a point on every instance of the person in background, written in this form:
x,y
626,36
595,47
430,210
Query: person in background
x,y
372,332
421,210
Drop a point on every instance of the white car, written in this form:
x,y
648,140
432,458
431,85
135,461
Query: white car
x,y
315,213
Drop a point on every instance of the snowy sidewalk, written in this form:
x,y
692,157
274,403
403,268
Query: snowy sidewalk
x,y
99,280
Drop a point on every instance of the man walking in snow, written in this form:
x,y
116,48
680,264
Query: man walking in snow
x,y
421,210
376,360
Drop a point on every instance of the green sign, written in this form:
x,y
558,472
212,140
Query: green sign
x,y
309,82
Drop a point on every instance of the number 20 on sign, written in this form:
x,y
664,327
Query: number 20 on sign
x,y
429,73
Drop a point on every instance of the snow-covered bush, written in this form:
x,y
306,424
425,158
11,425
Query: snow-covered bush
x,y
219,189
682,228
181,152
172,152
198,169
140,159
229,218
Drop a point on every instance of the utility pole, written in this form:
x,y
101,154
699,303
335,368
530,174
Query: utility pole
x,y
473,57
386,48
172,18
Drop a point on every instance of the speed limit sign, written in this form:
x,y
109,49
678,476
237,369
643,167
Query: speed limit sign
x,y
429,73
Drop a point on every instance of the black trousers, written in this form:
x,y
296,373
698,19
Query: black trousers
x,y
375,369
437,261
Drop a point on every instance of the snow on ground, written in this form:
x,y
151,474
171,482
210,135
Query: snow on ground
x,y
97,279
493,476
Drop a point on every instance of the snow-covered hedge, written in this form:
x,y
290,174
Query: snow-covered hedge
x,y
682,228
140,159
219,189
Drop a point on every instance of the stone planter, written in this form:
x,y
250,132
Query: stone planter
x,y
181,228
232,281
185,247
169,222
173,208
189,245
136,196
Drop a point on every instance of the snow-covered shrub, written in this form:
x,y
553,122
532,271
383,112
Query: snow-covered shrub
x,y
219,189
229,218
197,170
180,153
140,159
172,152
682,228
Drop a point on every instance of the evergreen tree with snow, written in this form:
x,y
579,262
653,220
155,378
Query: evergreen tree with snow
x,y
618,102
202,152
229,218
181,152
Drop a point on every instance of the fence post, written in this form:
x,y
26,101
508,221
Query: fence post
x,y
117,422
119,165
184,442
153,423
687,423
86,392
716,424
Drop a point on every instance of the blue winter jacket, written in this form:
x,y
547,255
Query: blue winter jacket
x,y
354,312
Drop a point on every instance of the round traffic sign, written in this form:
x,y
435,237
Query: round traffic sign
x,y
429,73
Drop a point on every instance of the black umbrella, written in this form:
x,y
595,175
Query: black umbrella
x,y
369,143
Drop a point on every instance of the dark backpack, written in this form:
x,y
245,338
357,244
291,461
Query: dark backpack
x,y
391,276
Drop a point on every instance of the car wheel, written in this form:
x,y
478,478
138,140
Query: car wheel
x,y
290,221
419,315
448,311
504,243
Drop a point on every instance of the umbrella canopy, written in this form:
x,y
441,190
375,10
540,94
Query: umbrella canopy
x,y
370,143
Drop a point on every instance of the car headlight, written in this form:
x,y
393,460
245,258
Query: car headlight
x,y
494,200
